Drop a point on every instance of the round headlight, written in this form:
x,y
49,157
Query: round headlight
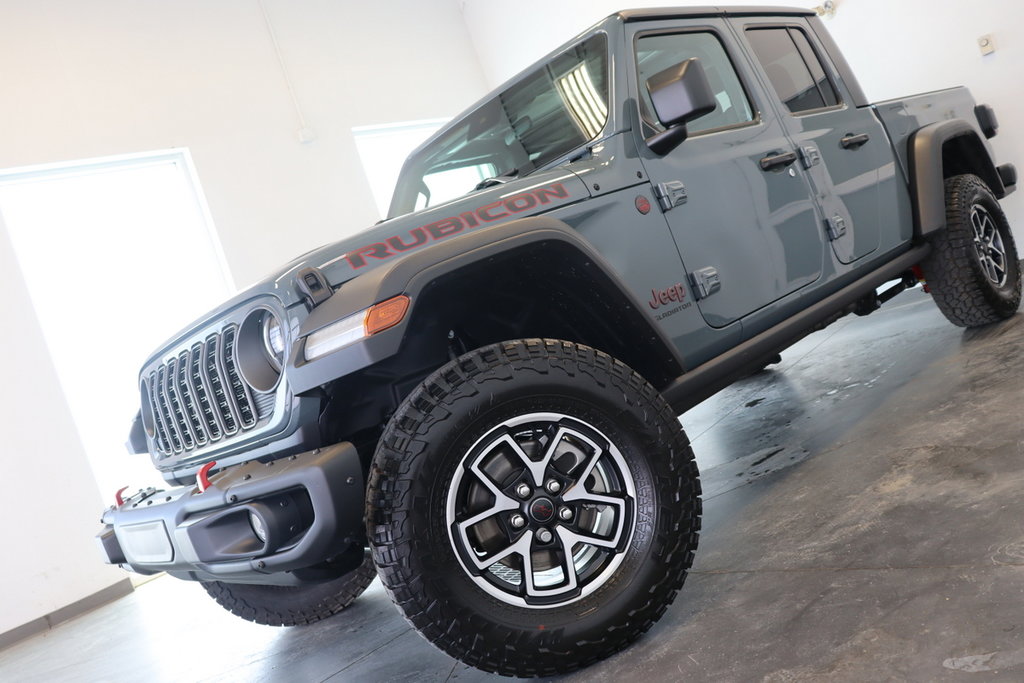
x,y
273,339
261,349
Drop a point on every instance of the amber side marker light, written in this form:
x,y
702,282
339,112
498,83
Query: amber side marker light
x,y
356,327
380,317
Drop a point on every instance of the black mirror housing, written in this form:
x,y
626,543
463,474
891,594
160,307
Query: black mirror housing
x,y
680,93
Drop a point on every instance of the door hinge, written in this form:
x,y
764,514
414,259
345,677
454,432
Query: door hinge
x,y
835,227
810,156
670,194
705,282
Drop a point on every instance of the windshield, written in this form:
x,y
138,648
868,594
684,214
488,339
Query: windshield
x,y
552,110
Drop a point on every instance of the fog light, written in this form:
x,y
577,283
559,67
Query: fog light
x,y
257,526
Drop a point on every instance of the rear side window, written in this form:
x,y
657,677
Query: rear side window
x,y
657,52
793,68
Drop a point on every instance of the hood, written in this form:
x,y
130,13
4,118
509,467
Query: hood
x,y
342,260
345,259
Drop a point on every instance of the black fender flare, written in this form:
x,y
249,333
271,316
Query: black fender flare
x,y
927,178
412,272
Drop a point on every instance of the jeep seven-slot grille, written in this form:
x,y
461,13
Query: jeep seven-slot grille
x,y
198,397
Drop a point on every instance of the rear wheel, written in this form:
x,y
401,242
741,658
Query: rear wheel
x,y
292,605
533,507
973,270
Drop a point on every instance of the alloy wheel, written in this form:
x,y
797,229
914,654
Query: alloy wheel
x,y
541,510
988,245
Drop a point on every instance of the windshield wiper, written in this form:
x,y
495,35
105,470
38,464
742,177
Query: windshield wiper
x,y
498,179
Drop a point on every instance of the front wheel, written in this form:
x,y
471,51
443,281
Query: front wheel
x,y
973,271
533,507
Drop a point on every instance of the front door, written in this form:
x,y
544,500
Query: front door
x,y
748,225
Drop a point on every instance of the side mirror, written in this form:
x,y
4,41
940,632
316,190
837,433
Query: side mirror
x,y
680,94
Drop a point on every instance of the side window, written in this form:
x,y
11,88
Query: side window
x,y
793,68
656,53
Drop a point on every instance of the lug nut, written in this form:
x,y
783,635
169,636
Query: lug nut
x,y
565,514
544,536
552,486
518,521
523,491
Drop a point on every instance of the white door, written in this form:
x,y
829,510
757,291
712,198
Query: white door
x,y
118,255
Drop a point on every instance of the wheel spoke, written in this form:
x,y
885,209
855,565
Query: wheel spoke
x,y
535,468
995,271
502,506
584,497
520,547
988,245
998,250
592,458
571,538
568,567
581,495
501,500
977,222
539,469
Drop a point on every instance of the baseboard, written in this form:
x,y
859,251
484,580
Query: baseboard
x,y
48,621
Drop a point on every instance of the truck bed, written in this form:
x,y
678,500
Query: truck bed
x,y
904,115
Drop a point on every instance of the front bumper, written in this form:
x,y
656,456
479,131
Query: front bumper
x,y
309,507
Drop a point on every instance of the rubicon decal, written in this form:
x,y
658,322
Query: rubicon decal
x,y
660,297
446,227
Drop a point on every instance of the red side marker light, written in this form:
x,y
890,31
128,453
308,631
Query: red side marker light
x,y
117,496
643,204
203,477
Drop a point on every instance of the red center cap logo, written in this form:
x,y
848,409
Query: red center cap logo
x,y
542,510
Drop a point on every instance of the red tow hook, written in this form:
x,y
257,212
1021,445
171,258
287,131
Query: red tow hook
x,y
117,496
919,274
203,477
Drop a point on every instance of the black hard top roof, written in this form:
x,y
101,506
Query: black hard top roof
x,y
684,12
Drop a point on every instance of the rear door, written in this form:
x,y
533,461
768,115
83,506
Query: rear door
x,y
748,223
842,148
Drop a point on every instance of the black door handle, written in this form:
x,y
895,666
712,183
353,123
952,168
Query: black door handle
x,y
773,161
852,141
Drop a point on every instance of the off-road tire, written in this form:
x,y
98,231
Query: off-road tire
x,y
955,272
292,605
432,435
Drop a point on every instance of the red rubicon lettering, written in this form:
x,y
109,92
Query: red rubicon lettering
x,y
357,258
447,227
485,212
520,202
556,191
418,237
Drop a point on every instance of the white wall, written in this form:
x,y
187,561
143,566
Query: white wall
x,y
88,79
107,77
896,49
49,558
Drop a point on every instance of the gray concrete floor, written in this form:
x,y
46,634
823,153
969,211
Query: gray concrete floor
x,y
862,522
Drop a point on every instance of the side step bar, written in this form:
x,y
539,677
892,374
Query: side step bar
x,y
708,379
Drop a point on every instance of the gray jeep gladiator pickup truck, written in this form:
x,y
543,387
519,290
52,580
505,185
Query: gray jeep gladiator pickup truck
x,y
477,398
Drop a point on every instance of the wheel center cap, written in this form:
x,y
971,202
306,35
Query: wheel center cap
x,y
542,510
